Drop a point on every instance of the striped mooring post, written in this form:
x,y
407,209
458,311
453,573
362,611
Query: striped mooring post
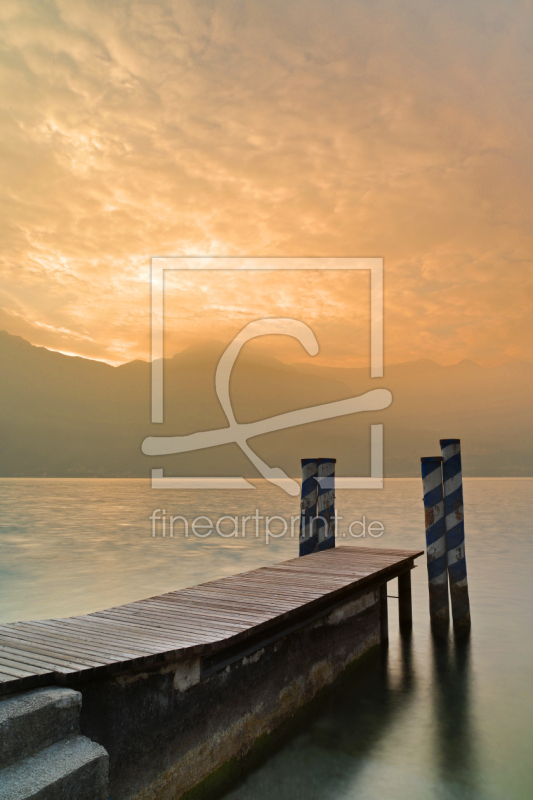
x,y
439,610
308,527
455,532
326,503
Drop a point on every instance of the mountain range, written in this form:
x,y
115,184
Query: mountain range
x,y
65,416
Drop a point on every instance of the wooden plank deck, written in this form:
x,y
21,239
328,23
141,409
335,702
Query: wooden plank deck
x,y
198,621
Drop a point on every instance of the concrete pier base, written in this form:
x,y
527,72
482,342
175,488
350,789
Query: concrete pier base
x,y
168,729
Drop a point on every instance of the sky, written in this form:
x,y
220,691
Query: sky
x,y
401,130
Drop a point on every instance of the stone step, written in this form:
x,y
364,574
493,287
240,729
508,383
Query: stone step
x,y
73,769
34,720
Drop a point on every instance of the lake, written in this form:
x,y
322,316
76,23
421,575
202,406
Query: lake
x,y
426,719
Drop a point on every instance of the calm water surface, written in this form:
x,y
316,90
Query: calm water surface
x,y
427,720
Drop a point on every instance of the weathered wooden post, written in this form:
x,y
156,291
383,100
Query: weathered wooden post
x,y
405,604
455,532
384,613
435,541
308,531
326,503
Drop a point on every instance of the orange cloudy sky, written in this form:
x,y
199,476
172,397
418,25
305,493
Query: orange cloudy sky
x,y
268,128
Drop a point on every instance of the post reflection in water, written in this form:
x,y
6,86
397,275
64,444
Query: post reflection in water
x,y
365,703
345,743
339,736
455,750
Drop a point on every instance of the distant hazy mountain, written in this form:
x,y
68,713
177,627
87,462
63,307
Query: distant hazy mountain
x,y
65,416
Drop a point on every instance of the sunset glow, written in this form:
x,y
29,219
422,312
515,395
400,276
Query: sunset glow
x,y
271,129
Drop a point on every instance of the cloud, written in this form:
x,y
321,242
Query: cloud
x,y
300,128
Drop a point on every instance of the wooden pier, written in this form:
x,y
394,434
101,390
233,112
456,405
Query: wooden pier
x,y
198,621
178,689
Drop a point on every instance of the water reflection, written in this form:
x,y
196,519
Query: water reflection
x,y
338,736
362,706
347,746
455,734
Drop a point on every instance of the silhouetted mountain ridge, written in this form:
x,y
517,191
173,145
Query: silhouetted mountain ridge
x,y
69,416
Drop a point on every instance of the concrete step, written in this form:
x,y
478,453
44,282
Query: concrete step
x,y
73,769
34,720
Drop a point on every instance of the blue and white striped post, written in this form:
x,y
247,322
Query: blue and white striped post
x,y
326,503
439,610
308,526
455,531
